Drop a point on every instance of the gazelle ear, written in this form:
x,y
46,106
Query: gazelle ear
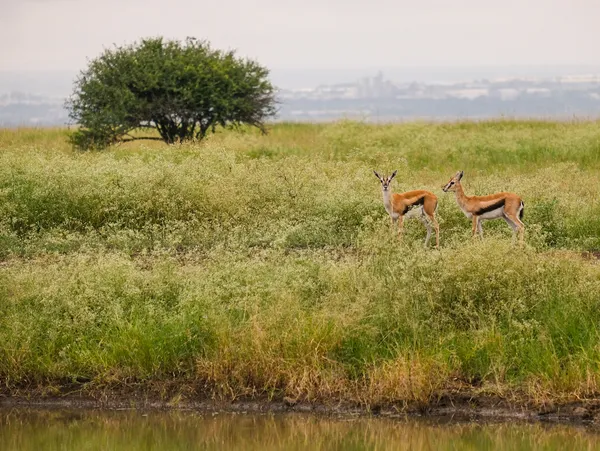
x,y
377,175
460,175
393,175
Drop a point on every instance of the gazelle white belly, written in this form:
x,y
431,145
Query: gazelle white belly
x,y
497,213
415,213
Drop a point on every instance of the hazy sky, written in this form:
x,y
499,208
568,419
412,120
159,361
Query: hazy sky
x,y
60,34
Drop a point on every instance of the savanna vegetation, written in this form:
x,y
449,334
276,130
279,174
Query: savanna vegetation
x,y
264,266
180,90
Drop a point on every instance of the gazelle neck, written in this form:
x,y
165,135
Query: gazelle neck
x,y
387,200
461,198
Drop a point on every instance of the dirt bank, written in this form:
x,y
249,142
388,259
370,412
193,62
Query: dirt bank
x,y
458,407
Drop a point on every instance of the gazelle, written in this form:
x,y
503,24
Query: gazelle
x,y
406,205
507,206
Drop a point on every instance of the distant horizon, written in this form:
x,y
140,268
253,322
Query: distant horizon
x,y
58,82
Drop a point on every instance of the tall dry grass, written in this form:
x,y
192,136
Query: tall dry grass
x,y
265,266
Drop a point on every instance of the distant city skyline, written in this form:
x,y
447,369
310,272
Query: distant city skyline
x,y
59,83
378,98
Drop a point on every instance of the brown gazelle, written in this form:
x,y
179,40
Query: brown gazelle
x,y
406,205
507,206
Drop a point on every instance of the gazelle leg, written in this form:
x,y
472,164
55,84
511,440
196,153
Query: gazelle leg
x,y
429,213
436,226
400,226
394,224
480,227
517,225
474,226
511,224
428,221
423,219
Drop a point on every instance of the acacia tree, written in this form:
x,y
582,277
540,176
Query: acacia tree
x,y
182,90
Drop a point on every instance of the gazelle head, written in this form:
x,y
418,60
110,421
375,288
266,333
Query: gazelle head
x,y
454,181
385,181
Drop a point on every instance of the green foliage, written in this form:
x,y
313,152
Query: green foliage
x,y
265,265
182,90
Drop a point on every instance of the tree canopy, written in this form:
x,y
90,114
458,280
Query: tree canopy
x,y
183,90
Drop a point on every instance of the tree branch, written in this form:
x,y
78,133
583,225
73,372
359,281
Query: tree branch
x,y
134,138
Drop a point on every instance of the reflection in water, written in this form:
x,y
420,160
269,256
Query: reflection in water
x,y
42,430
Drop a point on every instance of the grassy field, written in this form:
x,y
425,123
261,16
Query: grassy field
x,y
264,266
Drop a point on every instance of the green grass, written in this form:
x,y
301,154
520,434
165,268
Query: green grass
x,y
252,265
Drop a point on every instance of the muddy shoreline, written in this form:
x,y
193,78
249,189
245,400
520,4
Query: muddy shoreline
x,y
463,407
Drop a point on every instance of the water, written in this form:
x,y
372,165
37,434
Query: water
x,y
40,430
